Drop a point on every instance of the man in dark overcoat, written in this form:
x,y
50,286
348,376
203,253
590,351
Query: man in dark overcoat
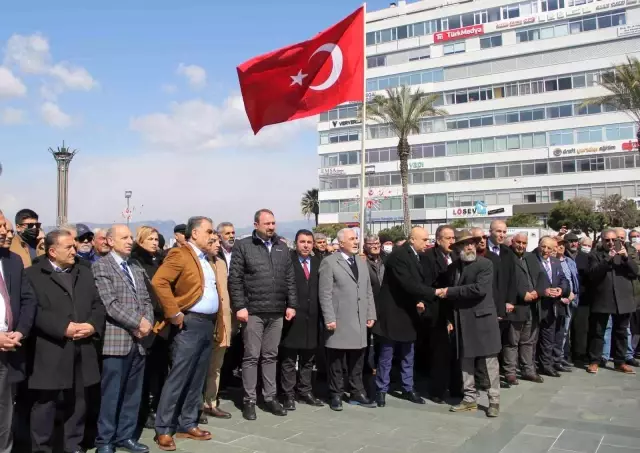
x,y
300,334
470,293
69,322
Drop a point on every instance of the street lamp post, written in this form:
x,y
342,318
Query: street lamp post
x,y
127,196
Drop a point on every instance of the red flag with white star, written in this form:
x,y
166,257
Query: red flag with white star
x,y
307,78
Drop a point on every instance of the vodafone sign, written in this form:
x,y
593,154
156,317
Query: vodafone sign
x,y
459,33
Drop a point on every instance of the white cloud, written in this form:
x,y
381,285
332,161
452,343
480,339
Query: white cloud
x,y
196,125
169,89
32,55
54,116
195,75
12,115
10,85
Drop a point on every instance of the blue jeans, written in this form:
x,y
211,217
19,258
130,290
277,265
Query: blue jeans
x,y
567,329
121,388
606,352
385,360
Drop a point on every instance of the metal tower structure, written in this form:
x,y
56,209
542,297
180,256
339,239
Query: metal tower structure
x,y
63,156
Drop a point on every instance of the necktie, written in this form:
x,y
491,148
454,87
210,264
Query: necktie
x,y
354,267
7,303
305,267
127,274
496,250
547,267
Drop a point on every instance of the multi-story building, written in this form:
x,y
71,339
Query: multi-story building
x,y
512,76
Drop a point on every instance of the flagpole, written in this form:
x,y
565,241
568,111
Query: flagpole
x,y
363,159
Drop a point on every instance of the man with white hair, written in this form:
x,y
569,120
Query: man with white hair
x,y
348,309
100,242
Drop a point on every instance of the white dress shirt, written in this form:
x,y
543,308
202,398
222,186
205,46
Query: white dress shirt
x,y
209,302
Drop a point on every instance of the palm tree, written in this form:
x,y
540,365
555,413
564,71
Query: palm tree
x,y
402,110
309,204
623,83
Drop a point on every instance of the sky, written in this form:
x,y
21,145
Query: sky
x,y
147,92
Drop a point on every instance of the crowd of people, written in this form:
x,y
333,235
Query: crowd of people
x,y
104,333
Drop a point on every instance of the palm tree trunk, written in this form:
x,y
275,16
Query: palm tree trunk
x,y
403,155
638,136
316,215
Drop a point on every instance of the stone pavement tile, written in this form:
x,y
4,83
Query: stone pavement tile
x,y
194,446
425,446
621,441
526,443
612,449
223,435
255,443
578,441
382,441
270,432
544,431
308,441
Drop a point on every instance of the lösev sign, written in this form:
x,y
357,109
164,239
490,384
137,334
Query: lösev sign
x,y
459,33
592,148
479,209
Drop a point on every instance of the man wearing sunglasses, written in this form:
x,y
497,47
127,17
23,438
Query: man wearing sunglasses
x,y
84,243
25,244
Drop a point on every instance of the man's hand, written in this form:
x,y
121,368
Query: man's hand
x,y
565,300
7,343
242,315
557,292
84,330
177,320
370,323
510,308
442,292
72,330
530,297
420,307
535,295
331,326
290,314
623,252
572,297
17,337
612,253
449,328
144,328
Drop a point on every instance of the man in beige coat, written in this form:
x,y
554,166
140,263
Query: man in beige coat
x,y
225,326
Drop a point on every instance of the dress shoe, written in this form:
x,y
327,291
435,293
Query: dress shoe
x,y
532,378
511,379
550,372
165,442
79,450
203,420
358,399
289,403
249,410
275,408
132,446
624,368
632,362
106,449
562,368
336,403
503,385
437,400
567,363
413,397
493,411
308,398
217,412
150,422
592,368
464,406
603,363
381,399
194,433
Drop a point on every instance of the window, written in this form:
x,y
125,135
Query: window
x,y
562,137
557,195
540,168
620,132
579,81
491,41
564,83
568,166
530,198
589,135
457,47
513,142
488,145
526,141
376,61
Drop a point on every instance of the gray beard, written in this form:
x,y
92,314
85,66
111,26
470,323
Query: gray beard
x,y
468,257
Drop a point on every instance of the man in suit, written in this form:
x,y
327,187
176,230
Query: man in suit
x,y
470,292
300,335
17,312
227,234
554,288
68,325
402,298
522,333
580,325
444,369
348,309
262,286
188,289
129,310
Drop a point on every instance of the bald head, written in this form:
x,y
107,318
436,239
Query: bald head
x,y
498,232
519,243
547,246
418,239
120,240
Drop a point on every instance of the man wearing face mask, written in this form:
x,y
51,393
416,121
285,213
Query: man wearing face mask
x,y
28,230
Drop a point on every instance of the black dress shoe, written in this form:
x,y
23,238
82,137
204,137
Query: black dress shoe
x,y
532,378
413,397
358,399
336,403
275,408
632,362
567,363
249,410
203,420
563,369
550,372
437,399
381,399
217,412
289,403
105,449
132,446
309,399
150,422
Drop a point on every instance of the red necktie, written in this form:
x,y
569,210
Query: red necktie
x,y
7,302
305,267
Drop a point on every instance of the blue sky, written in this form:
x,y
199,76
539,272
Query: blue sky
x,y
147,91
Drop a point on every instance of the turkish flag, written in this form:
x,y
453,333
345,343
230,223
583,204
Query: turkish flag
x,y
307,78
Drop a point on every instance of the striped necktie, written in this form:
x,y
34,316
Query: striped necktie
x,y
127,274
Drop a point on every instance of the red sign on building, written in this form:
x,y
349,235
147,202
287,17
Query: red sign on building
x,y
459,33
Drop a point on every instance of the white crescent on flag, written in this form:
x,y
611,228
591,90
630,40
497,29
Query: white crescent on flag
x,y
336,67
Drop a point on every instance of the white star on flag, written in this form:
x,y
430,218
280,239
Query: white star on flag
x,y
297,79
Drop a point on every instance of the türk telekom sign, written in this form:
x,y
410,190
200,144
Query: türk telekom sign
x,y
459,33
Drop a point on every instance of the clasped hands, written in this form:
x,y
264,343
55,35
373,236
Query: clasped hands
x,y
333,325
79,330
243,315
145,327
9,341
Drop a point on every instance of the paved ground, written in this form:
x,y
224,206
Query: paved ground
x,y
575,413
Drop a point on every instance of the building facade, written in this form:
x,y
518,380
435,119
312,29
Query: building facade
x,y
512,76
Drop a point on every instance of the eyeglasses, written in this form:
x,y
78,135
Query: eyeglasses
x,y
87,238
609,240
31,225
